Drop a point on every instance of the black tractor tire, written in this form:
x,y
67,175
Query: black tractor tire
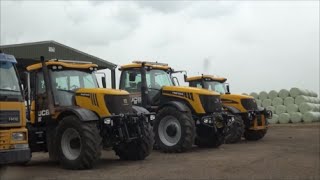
x,y
88,141
207,138
137,149
235,131
51,146
187,130
254,135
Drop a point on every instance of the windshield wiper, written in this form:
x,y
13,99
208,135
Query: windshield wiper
x,y
9,90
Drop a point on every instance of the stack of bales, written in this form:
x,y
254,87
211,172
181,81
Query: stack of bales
x,y
294,106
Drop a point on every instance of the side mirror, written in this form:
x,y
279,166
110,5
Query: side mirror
x,y
228,89
132,77
175,81
103,81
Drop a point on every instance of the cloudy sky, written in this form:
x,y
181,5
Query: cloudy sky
x,y
256,45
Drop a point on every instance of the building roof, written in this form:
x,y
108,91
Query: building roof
x,y
29,53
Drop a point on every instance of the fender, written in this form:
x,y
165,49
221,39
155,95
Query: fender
x,y
81,113
233,110
140,110
179,105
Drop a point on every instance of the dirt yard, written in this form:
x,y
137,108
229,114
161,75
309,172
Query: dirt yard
x,y
286,152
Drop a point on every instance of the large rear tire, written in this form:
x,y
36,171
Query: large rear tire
x,y
78,143
174,130
236,131
138,149
254,135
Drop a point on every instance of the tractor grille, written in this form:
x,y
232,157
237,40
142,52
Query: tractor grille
x,y
249,104
211,103
118,104
9,117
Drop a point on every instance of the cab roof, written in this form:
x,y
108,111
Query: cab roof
x,y
7,58
138,64
207,77
63,63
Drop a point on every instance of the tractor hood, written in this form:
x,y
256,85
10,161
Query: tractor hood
x,y
189,90
235,96
101,91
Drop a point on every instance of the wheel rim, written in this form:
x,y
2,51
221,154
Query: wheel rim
x,y
71,144
169,131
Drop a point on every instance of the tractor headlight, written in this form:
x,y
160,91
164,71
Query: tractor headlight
x,y
107,121
152,117
207,120
21,146
18,136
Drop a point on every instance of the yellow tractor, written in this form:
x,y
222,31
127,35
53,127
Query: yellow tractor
x,y
14,146
185,115
242,106
72,118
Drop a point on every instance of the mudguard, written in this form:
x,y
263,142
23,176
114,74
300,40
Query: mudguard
x,y
81,113
233,110
140,110
179,105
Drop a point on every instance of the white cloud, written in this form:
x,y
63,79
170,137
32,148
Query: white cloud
x,y
257,45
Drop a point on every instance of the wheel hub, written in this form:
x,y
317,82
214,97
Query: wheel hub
x,y
171,130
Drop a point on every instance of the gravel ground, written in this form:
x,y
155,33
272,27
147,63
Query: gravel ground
x,y
287,152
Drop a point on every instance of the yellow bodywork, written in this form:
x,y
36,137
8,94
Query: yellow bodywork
x,y
138,65
60,63
209,77
195,102
233,100
6,130
97,94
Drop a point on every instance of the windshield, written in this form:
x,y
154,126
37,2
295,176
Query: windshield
x,y
9,84
70,80
131,80
215,86
160,78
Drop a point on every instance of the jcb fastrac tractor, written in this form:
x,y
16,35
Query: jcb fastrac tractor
x,y
185,115
243,107
71,118
14,146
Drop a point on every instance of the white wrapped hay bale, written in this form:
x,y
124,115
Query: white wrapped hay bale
x,y
281,109
292,108
301,99
305,107
266,103
311,117
288,100
277,101
294,92
255,95
258,101
263,95
284,118
274,119
272,94
271,108
283,93
313,94
295,117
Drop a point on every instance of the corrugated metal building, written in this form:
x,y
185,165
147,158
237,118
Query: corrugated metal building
x,y
29,53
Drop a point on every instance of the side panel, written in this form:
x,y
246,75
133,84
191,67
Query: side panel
x,y
192,98
81,113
